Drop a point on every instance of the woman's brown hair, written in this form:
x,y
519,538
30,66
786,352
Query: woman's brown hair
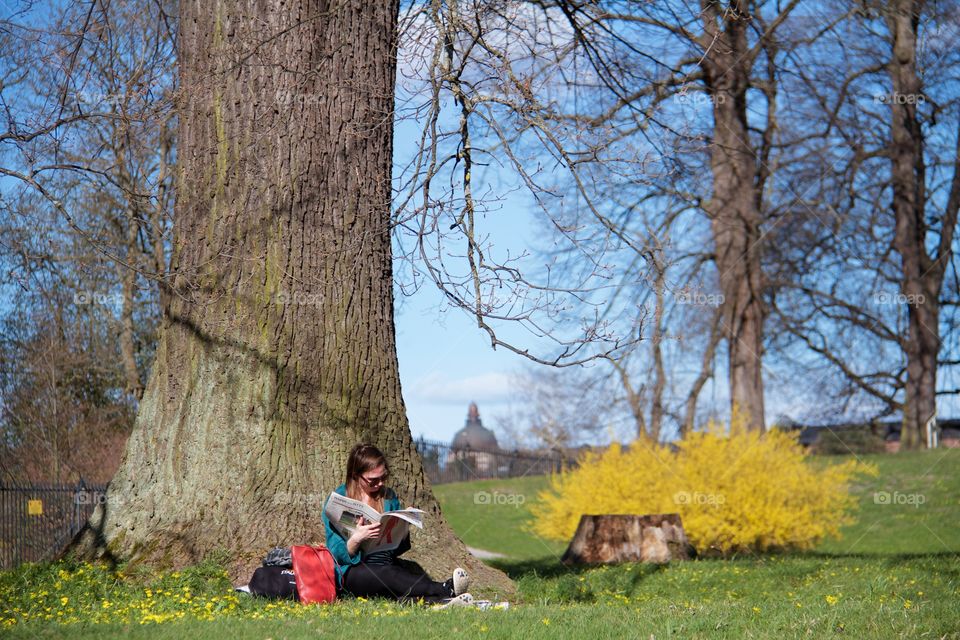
x,y
363,458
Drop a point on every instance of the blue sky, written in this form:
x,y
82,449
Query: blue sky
x,y
446,361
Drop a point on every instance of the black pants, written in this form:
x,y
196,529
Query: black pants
x,y
393,581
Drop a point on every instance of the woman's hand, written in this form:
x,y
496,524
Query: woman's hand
x,y
366,531
363,532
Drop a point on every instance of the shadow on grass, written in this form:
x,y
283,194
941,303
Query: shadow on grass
x,y
551,567
547,581
893,557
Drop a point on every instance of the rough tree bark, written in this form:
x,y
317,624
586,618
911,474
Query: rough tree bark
x,y
923,274
734,206
278,352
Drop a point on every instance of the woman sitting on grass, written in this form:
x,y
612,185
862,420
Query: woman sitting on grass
x,y
378,574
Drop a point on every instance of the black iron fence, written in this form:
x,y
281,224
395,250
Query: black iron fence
x,y
37,521
444,463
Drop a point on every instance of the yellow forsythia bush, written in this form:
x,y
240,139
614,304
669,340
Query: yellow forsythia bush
x,y
735,491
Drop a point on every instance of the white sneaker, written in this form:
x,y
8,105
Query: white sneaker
x,y
461,581
462,600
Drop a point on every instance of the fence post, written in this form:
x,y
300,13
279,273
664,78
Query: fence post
x,y
81,487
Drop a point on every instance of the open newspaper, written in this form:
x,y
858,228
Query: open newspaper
x,y
344,513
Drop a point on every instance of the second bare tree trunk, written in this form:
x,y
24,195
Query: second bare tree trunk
x,y
922,274
734,207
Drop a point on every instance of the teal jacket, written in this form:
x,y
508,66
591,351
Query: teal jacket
x,y
338,545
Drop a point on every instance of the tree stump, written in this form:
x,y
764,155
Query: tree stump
x,y
608,539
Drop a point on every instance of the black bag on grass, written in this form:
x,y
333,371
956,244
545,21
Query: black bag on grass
x,y
274,582
279,557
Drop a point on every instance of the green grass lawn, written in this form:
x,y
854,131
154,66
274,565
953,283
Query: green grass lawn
x,y
492,515
895,573
926,517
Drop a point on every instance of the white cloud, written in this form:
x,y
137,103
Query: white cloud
x,y
436,388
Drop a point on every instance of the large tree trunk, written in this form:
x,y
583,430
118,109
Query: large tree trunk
x,y
922,276
923,345
279,351
734,207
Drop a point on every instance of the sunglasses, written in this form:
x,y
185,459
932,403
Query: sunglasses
x,y
376,480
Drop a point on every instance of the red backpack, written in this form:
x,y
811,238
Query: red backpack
x,y
315,572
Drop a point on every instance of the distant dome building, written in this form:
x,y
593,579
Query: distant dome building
x,y
474,446
474,435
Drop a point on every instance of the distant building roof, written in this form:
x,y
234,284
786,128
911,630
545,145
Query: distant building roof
x,y
474,435
889,429
893,432
810,434
949,430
